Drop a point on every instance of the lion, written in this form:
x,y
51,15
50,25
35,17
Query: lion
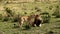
x,y
27,19
38,20
21,20
31,20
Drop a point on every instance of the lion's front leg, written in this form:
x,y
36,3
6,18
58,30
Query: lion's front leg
x,y
40,25
21,22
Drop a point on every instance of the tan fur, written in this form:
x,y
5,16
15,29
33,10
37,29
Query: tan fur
x,y
22,19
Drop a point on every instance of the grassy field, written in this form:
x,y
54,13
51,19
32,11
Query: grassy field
x,y
53,25
30,7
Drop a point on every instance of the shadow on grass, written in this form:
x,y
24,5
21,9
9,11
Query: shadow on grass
x,y
23,27
15,26
58,21
26,27
57,27
50,32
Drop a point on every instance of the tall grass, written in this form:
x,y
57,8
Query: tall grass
x,y
57,12
46,17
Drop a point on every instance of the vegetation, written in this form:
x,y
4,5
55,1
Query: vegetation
x,y
9,24
46,17
57,12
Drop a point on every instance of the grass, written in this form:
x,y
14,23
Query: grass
x,y
8,28
28,6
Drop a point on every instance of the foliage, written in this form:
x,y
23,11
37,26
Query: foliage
x,y
8,11
15,19
57,12
7,27
37,9
46,17
50,8
5,19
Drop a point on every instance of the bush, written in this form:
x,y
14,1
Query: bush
x,y
5,18
8,11
46,17
37,9
50,7
15,19
10,15
56,12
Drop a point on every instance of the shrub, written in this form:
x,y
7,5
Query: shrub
x,y
15,19
46,17
37,9
10,19
10,14
50,7
56,12
5,19
25,12
8,11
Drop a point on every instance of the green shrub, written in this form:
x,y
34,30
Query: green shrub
x,y
56,12
15,19
46,17
50,7
5,19
10,19
8,11
37,9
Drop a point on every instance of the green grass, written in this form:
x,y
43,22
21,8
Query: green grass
x,y
54,25
44,6
8,27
